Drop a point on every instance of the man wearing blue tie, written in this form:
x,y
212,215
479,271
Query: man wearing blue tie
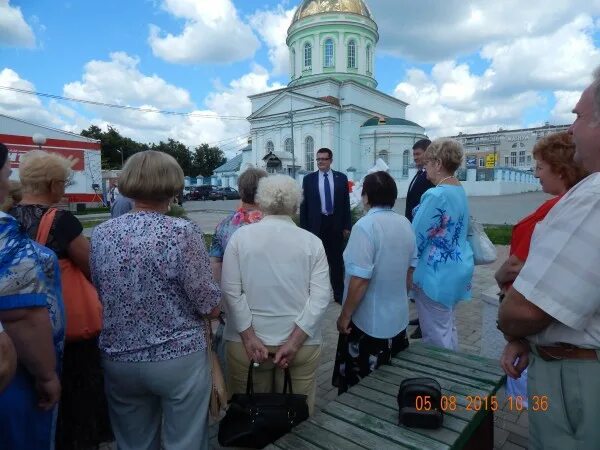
x,y
325,212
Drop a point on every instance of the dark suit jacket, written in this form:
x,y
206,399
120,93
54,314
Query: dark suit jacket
x,y
310,209
416,189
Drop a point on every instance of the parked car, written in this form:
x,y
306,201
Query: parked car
x,y
224,194
200,192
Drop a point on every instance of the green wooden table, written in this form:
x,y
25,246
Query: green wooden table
x,y
367,415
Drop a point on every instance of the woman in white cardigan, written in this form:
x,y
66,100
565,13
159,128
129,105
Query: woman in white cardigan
x,y
275,282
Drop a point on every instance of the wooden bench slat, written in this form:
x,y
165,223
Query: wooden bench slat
x,y
292,441
451,422
389,414
352,432
392,433
322,438
463,359
462,370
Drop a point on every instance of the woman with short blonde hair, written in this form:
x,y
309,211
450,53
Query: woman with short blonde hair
x,y
154,279
275,283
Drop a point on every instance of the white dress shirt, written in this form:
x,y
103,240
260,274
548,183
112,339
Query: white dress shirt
x,y
561,274
275,275
322,189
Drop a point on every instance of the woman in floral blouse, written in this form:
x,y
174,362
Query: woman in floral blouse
x,y
445,268
153,276
247,213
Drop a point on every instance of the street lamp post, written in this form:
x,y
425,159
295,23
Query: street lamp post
x,y
293,145
39,140
120,151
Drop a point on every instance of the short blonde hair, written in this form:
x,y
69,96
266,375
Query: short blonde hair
x,y
151,176
38,169
278,195
447,151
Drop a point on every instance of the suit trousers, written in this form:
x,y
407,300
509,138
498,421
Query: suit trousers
x,y
333,242
168,398
268,377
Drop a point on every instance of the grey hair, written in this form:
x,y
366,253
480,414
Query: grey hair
x,y
278,195
248,183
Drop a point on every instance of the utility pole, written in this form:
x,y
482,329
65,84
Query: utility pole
x,y
293,145
375,148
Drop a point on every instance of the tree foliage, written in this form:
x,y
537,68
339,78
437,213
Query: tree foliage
x,y
206,159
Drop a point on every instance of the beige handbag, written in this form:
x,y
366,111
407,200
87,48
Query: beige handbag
x,y
218,392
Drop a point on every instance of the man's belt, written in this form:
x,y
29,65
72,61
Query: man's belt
x,y
565,351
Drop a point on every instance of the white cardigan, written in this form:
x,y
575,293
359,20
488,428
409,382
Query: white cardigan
x,y
275,275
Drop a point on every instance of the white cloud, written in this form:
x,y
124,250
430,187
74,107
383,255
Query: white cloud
x,y
213,33
272,26
14,30
565,102
430,30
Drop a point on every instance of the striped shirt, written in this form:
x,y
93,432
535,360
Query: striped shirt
x,y
561,275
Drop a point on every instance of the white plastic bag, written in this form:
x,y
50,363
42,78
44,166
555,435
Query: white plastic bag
x,y
484,252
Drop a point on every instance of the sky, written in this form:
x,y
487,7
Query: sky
x,y
463,66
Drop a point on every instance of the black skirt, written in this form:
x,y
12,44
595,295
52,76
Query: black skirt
x,y
83,421
359,354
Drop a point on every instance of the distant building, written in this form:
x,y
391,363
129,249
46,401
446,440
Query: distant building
x,y
504,148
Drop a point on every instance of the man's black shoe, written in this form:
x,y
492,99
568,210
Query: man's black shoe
x,y
414,322
416,334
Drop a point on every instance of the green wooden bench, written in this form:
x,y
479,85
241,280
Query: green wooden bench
x,y
367,415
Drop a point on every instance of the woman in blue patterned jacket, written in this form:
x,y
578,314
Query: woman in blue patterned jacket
x,y
31,311
443,275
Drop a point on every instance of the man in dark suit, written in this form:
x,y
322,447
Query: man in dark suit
x,y
416,189
325,212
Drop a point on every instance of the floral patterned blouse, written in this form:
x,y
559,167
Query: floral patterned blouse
x,y
154,279
229,225
445,268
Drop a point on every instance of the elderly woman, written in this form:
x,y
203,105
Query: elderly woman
x,y
246,214
83,415
154,279
31,312
443,274
378,261
15,195
557,172
276,287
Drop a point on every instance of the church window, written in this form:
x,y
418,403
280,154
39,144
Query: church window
x,y
270,147
405,163
352,55
309,153
329,53
288,145
384,155
513,159
293,63
307,55
369,62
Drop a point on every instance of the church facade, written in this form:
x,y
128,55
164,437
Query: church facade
x,y
331,100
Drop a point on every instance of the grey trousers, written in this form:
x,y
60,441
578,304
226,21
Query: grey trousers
x,y
563,404
153,401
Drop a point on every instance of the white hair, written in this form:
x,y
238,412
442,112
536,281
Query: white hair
x,y
278,195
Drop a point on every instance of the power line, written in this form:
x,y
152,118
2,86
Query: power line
x,y
129,108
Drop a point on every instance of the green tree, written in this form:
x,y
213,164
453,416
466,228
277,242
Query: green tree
x,y
206,159
113,143
178,151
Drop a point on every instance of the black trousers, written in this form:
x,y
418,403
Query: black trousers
x,y
333,241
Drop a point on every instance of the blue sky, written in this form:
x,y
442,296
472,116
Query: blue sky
x,y
462,67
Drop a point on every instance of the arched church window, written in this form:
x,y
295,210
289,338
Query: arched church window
x,y
293,62
329,53
352,54
405,163
288,145
309,153
384,155
369,62
307,55
270,147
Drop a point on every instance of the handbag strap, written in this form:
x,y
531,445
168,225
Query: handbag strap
x,y
287,379
45,225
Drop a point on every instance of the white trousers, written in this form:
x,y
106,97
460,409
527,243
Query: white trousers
x,y
437,321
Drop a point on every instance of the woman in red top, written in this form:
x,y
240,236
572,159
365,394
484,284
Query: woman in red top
x,y
557,173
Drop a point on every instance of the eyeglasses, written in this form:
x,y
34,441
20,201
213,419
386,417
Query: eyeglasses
x,y
323,159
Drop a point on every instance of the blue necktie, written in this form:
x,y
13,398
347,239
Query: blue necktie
x,y
328,203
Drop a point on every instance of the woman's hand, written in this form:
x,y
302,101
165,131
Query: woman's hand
x,y
343,324
48,392
287,352
255,349
514,350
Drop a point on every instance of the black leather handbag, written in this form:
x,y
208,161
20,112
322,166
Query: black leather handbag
x,y
419,402
256,420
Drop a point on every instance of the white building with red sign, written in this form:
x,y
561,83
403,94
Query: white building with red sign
x,y
21,137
